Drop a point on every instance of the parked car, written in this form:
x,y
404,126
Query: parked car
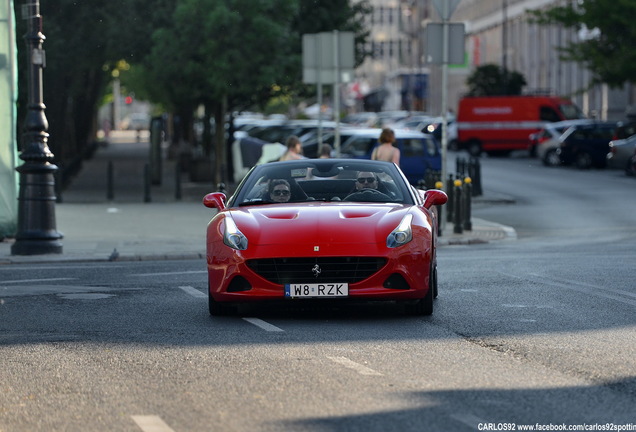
x,y
586,145
137,121
626,129
546,141
621,154
419,152
323,229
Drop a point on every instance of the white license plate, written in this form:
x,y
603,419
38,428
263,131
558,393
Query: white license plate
x,y
317,290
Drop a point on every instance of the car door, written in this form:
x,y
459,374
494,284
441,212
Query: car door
x,y
417,156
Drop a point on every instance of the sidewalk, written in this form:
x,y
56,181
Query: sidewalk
x,y
128,228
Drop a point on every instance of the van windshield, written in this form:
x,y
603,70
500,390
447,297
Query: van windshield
x,y
571,112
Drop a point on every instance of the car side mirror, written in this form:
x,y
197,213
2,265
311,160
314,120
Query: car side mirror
x,y
434,197
215,200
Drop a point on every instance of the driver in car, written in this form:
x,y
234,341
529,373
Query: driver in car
x,y
366,180
279,190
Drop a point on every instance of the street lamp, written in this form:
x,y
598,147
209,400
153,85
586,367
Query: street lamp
x,y
36,207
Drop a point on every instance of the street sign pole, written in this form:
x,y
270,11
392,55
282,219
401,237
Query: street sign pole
x,y
336,91
445,8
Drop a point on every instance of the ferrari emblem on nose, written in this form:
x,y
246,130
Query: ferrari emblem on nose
x,y
316,248
316,270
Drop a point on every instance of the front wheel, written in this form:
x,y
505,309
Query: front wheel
x,y
424,306
551,158
217,308
474,148
583,160
630,168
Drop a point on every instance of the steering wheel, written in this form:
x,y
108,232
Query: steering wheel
x,y
372,195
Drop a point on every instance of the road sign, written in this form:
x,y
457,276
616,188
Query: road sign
x,y
320,61
435,48
445,8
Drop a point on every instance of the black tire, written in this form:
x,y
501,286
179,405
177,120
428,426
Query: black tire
x,y
219,309
434,282
630,167
583,160
551,158
424,306
474,148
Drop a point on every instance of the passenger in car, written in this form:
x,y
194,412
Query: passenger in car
x,y
386,150
294,149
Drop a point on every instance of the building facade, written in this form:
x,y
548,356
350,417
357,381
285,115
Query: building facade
x,y
496,31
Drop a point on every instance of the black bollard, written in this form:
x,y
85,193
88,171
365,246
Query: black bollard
x,y
450,205
147,181
110,182
460,166
221,188
457,216
59,178
475,175
177,181
467,193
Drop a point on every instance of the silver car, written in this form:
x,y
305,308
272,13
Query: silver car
x,y
621,154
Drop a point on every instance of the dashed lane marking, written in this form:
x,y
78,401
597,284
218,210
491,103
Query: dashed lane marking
x,y
263,324
151,423
168,273
193,291
36,280
361,369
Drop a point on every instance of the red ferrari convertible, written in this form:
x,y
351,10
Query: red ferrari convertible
x,y
322,229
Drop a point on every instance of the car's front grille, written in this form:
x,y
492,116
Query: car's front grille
x,y
316,270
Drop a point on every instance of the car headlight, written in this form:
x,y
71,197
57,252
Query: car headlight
x,y
402,234
232,236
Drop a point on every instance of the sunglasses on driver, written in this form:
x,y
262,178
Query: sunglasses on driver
x,y
363,180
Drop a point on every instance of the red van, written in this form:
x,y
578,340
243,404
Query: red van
x,y
500,124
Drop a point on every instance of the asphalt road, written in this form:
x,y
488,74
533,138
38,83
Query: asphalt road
x,y
537,331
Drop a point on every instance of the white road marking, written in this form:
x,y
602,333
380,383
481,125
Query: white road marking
x,y
151,423
168,273
263,324
36,280
584,288
193,291
361,369
468,419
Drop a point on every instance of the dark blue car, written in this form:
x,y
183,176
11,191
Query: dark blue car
x,y
419,152
586,145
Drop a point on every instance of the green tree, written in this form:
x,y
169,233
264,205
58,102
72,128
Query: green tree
x,y
218,53
235,54
608,36
83,43
493,80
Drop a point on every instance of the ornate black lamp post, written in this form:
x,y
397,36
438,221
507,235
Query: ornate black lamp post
x,y
36,208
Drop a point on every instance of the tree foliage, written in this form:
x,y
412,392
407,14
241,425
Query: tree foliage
x,y
493,80
215,53
606,37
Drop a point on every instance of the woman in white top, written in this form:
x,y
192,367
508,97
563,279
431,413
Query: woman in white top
x,y
386,151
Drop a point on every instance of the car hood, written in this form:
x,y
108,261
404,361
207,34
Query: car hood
x,y
318,223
